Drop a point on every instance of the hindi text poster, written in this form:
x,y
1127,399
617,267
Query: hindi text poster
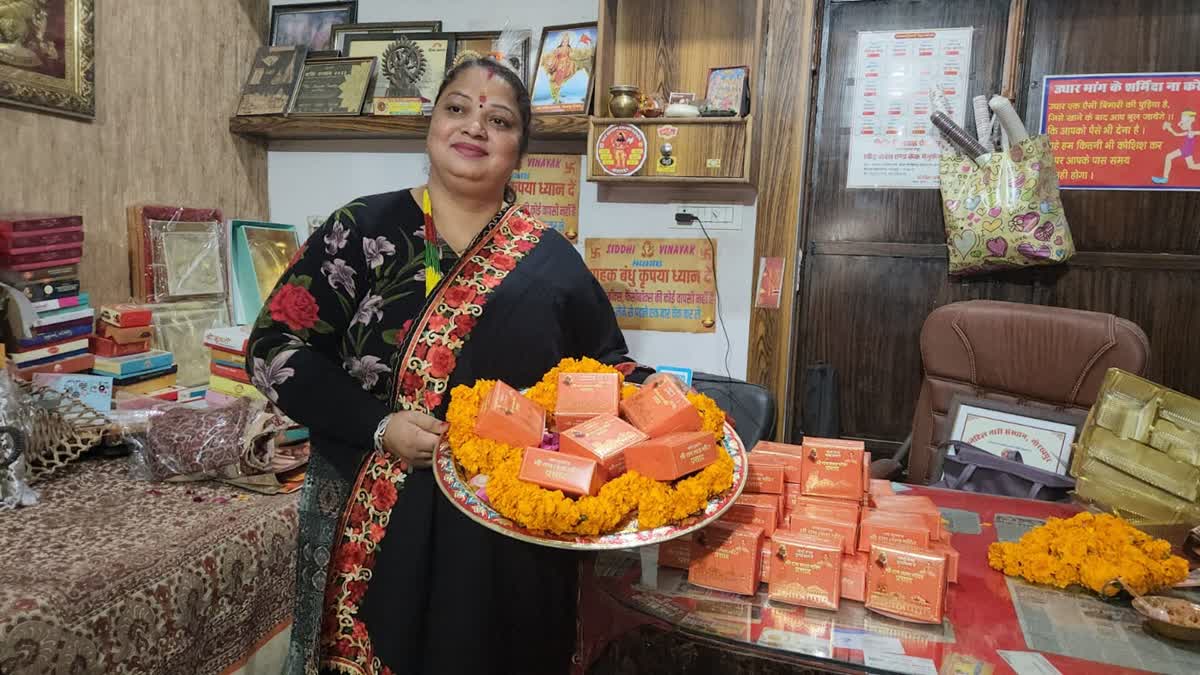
x,y
657,284
548,186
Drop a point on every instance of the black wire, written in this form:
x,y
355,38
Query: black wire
x,y
712,247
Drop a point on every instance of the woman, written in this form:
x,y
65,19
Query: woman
x,y
409,584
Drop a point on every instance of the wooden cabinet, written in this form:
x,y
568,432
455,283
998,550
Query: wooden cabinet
x,y
664,46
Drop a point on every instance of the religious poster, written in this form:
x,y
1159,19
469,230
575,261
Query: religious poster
x,y
621,150
658,284
769,291
1124,132
892,142
548,186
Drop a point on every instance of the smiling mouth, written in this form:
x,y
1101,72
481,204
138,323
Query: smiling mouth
x,y
469,150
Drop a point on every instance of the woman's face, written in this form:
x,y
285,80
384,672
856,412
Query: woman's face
x,y
475,134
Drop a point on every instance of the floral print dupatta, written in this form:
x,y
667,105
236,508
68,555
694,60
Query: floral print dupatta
x,y
430,353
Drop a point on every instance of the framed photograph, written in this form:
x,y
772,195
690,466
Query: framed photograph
x,y
309,24
272,80
409,67
1039,438
477,45
333,87
47,56
385,29
727,89
562,79
681,97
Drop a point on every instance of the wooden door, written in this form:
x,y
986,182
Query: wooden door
x,y
875,260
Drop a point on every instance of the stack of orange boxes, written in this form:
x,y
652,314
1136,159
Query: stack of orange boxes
x,y
822,521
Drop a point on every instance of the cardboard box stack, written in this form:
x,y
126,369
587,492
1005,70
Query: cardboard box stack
x,y
816,522
122,352
39,256
228,380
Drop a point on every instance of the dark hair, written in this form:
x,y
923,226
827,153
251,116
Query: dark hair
x,y
508,75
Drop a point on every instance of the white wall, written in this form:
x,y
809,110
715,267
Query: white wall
x,y
314,178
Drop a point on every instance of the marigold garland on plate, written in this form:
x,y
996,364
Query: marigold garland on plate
x,y
539,509
1092,550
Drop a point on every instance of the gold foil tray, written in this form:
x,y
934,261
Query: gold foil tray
x,y
1134,500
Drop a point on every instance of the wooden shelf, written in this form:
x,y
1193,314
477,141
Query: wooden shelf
x,y
661,121
349,127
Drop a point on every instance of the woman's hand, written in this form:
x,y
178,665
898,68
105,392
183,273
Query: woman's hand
x,y
412,436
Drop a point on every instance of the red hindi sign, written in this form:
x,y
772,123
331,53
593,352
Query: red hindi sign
x,y
1124,132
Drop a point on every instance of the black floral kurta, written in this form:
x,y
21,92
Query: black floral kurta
x,y
447,595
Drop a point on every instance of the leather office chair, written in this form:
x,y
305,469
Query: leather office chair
x,y
1030,355
751,406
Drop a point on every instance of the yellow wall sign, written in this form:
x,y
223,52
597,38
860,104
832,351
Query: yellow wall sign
x,y
657,284
548,186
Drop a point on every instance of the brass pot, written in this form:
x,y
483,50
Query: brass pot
x,y
624,101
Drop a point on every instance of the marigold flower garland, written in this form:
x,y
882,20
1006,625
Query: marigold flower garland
x,y
1092,550
539,509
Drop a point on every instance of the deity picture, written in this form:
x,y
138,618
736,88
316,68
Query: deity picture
x,y
309,25
46,54
727,89
563,80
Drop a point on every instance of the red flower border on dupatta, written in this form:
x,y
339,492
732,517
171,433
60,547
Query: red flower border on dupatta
x,y
422,381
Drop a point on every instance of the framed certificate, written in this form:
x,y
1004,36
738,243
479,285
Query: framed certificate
x,y
1040,438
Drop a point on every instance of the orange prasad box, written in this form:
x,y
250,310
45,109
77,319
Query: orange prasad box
x,y
603,439
880,488
508,417
582,396
906,584
764,560
661,408
766,474
854,576
809,522
866,480
833,468
575,476
807,570
917,505
669,457
124,336
782,453
759,510
951,554
725,558
795,499
892,529
676,553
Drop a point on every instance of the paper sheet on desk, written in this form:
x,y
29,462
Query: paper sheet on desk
x,y
899,663
1028,663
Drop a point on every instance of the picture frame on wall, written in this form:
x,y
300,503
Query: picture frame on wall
x,y
309,24
482,43
563,74
384,28
1041,438
48,59
409,68
728,90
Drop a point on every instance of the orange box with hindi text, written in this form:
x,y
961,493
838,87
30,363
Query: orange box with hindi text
x,y
765,474
892,529
782,453
508,417
833,468
809,521
603,439
906,584
759,510
765,553
575,476
807,570
951,554
854,576
582,396
661,408
672,456
725,557
795,499
880,488
916,505
676,553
